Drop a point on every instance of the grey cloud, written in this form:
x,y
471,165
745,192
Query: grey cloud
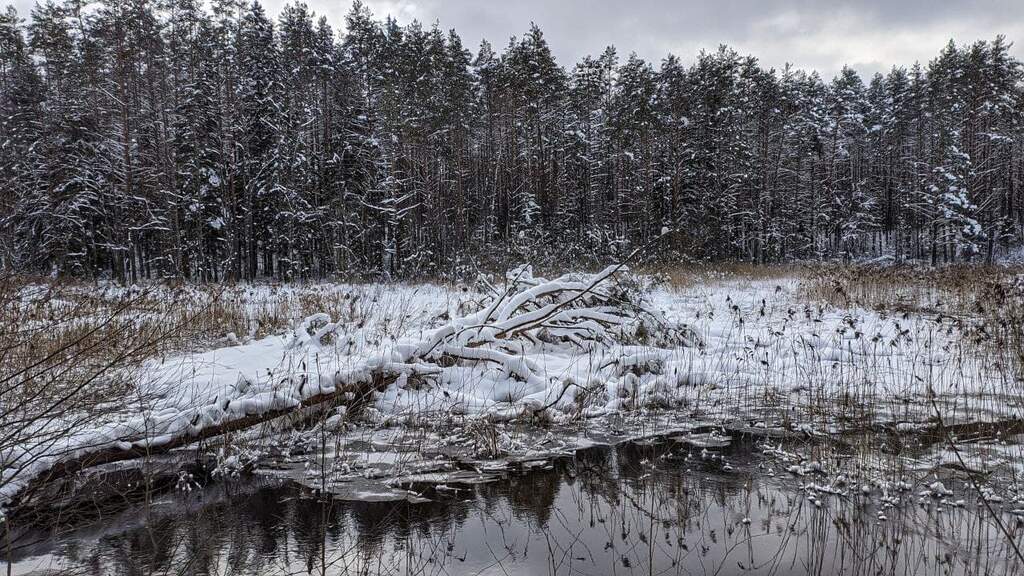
x,y
870,35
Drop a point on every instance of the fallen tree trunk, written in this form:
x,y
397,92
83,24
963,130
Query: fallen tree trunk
x,y
66,467
572,311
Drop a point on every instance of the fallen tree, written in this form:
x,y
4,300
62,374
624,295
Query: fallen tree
x,y
577,311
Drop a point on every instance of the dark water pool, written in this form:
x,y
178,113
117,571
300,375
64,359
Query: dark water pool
x,y
635,508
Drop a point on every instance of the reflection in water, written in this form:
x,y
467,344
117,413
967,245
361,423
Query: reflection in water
x,y
628,509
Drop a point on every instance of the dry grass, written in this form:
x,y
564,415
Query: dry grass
x,y
41,319
56,334
690,275
947,290
986,303
70,353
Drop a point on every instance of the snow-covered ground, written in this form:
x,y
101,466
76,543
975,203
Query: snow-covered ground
x,y
765,355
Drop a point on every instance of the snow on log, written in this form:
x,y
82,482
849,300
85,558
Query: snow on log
x,y
577,312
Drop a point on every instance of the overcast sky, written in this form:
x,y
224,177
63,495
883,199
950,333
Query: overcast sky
x,y
870,35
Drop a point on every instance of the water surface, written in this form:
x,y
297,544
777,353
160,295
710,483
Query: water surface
x,y
635,508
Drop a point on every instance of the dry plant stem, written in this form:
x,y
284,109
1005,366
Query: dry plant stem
x,y
977,488
10,552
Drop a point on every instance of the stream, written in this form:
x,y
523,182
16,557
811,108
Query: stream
x,y
637,507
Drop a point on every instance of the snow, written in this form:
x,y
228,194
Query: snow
x,y
761,350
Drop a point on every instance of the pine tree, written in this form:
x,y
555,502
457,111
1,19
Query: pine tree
x,y
533,85
183,138
852,209
633,123
260,121
25,230
199,204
